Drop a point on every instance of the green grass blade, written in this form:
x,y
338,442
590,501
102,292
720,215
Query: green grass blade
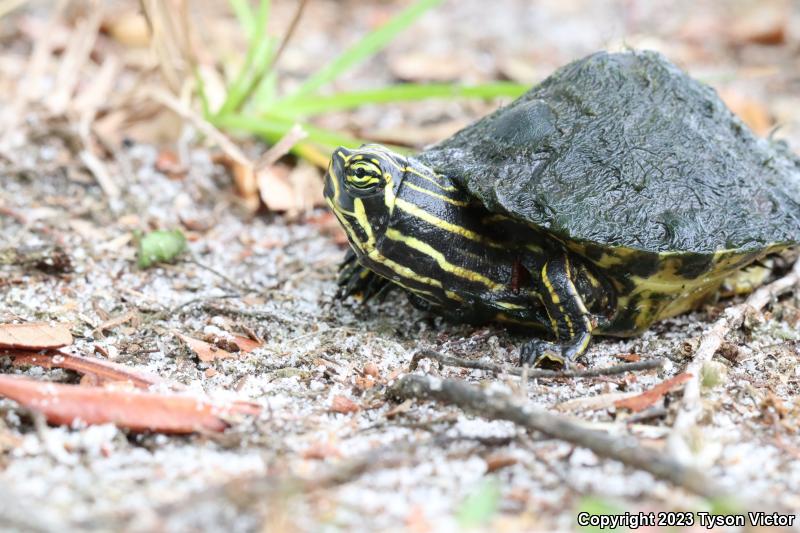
x,y
368,46
274,128
397,93
244,14
259,53
262,17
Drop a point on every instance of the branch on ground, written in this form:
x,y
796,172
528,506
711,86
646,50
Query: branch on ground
x,y
690,408
625,449
448,360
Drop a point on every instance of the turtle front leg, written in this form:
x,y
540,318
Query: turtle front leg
x,y
570,321
357,280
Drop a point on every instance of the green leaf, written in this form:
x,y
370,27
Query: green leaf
x,y
396,93
480,506
159,246
368,46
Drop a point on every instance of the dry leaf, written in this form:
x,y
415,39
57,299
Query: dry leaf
x,y
245,344
497,461
129,28
169,164
753,112
244,179
760,25
112,323
629,357
593,403
344,405
34,336
648,398
431,68
135,410
321,451
205,351
364,382
306,181
102,371
371,369
274,188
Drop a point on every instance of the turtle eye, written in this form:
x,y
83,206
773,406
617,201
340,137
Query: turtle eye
x,y
364,174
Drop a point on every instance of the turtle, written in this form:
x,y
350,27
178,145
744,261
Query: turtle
x,y
615,193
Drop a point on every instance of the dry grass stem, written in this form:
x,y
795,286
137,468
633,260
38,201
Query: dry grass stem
x,y
690,406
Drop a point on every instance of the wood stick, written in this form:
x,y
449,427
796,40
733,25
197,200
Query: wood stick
x,y
625,449
447,360
690,408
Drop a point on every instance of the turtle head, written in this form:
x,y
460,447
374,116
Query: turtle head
x,y
360,188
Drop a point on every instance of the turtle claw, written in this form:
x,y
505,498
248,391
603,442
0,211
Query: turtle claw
x,y
356,280
543,354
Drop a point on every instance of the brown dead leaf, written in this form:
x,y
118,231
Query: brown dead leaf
x,y
592,403
753,112
112,323
246,344
170,165
100,371
321,451
649,397
426,67
244,179
364,382
629,357
205,351
764,25
135,410
344,405
306,181
274,188
129,28
371,369
497,461
34,336
294,190
283,189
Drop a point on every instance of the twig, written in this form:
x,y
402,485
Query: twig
x,y
447,360
280,148
259,77
100,172
625,449
690,408
205,127
75,57
238,286
298,13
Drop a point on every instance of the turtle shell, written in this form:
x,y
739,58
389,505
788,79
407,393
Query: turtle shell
x,y
627,151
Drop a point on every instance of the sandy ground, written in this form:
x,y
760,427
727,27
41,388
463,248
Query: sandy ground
x,y
428,466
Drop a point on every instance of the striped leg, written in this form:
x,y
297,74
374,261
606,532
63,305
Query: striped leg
x,y
359,281
570,321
